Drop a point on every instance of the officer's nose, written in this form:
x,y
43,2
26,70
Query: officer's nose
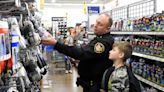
x,y
95,25
109,51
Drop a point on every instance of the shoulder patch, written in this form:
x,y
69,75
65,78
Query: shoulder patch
x,y
99,47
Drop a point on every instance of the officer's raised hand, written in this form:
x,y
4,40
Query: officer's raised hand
x,y
49,40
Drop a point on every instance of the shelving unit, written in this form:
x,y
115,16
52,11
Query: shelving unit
x,y
136,33
148,57
59,24
124,16
150,83
126,33
132,33
141,55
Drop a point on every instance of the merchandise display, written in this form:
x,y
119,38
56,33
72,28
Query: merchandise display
x,y
151,72
59,26
22,63
152,23
148,49
5,53
5,58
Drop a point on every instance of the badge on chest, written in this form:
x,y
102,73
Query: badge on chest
x,y
99,47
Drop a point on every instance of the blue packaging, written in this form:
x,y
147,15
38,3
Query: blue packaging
x,y
1,48
4,47
15,48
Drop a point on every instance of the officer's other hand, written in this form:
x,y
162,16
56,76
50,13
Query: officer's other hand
x,y
49,41
101,90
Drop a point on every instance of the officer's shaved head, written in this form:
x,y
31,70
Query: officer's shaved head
x,y
110,20
103,24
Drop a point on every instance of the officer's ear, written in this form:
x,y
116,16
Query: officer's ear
x,y
108,28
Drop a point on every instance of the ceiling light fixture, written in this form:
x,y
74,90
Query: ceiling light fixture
x,y
53,1
93,1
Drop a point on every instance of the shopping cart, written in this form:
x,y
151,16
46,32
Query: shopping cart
x,y
57,62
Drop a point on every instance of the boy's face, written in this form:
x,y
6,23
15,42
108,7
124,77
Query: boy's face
x,y
115,54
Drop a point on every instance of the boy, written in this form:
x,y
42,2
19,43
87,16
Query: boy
x,y
119,78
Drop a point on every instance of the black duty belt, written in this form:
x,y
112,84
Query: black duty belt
x,y
85,83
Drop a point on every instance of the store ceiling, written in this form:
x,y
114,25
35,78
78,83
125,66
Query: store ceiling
x,y
77,1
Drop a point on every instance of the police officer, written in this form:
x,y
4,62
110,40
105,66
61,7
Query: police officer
x,y
93,57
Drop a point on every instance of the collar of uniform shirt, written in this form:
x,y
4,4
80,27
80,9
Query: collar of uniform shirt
x,y
103,34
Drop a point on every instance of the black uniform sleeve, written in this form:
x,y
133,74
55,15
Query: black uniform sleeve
x,y
71,51
96,50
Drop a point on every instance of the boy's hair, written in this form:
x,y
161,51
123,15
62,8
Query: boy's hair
x,y
124,47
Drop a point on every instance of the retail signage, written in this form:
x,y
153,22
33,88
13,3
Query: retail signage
x,y
41,4
85,7
93,9
57,18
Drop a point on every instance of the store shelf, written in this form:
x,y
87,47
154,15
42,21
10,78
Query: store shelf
x,y
122,32
150,83
90,33
136,33
148,57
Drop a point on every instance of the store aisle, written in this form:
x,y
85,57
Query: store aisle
x,y
57,81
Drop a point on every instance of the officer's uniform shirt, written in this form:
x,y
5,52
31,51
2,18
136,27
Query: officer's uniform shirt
x,y
93,57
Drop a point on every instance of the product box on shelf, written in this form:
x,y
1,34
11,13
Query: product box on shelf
x,y
115,26
15,49
158,49
162,48
147,24
154,26
147,45
145,70
135,24
139,45
162,22
4,46
140,66
120,25
162,77
1,46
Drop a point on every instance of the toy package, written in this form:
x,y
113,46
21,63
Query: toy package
x,y
4,50
147,24
1,47
162,77
4,45
15,49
